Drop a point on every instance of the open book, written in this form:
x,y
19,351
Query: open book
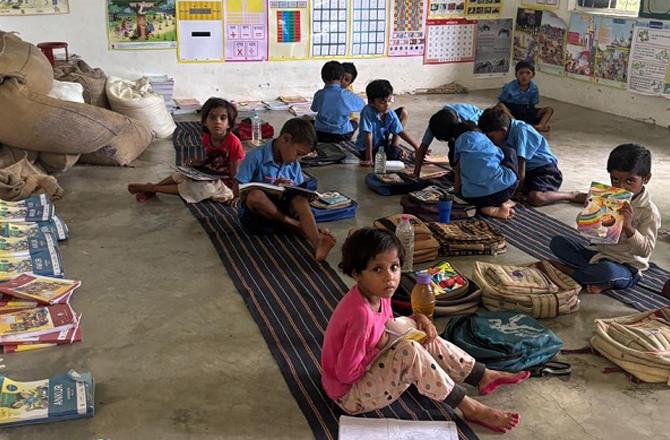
x,y
360,428
280,191
399,329
46,290
600,220
200,173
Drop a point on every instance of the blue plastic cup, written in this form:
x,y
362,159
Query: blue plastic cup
x,y
445,210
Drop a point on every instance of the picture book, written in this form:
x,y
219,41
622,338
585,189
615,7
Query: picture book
x,y
10,304
45,262
21,214
30,202
36,322
363,428
600,220
63,337
55,226
399,329
63,397
446,279
331,200
46,290
276,190
200,173
429,195
25,245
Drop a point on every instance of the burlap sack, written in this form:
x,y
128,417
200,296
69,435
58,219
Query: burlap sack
x,y
33,121
93,81
26,62
19,178
123,149
57,162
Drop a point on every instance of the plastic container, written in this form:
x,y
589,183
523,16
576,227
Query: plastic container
x,y
380,161
445,204
405,233
423,296
256,129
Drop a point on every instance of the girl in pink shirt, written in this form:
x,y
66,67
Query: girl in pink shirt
x,y
357,333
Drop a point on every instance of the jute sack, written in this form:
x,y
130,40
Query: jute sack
x,y
93,81
25,62
57,162
33,121
124,148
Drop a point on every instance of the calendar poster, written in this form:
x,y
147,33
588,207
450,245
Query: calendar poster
x,y
441,9
330,28
368,28
494,46
476,9
450,41
408,36
246,30
289,29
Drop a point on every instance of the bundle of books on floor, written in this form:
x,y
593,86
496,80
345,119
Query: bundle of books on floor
x,y
331,200
185,106
164,86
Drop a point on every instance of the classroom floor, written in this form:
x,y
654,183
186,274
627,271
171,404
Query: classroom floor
x,y
176,354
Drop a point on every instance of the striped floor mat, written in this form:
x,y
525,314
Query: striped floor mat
x,y
291,297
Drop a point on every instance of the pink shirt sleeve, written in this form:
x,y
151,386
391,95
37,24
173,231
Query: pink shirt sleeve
x,y
352,360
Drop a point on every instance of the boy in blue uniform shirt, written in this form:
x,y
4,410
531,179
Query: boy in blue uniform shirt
x,y
381,128
277,163
520,97
333,105
539,176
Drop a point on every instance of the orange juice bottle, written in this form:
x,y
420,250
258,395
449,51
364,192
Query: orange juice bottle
x,y
422,296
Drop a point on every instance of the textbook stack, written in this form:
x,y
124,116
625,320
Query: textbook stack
x,y
164,86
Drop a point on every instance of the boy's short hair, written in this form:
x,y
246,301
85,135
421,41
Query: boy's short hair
x,y
363,245
213,103
493,119
301,130
379,88
523,64
442,122
332,71
631,158
350,69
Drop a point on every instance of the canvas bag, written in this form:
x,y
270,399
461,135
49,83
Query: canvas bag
x,y
123,148
472,237
326,154
504,340
425,246
25,62
538,289
638,343
92,80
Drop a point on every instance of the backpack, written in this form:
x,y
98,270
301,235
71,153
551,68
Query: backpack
x,y
324,154
243,130
394,183
505,340
425,246
538,289
638,343
472,237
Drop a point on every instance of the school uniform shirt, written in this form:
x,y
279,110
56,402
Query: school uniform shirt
x,y
480,165
512,94
350,341
333,105
371,122
228,151
466,112
636,250
259,166
530,145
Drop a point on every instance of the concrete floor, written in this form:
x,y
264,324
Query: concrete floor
x,y
176,355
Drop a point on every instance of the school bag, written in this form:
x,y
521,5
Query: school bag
x,y
243,130
470,237
425,246
637,343
538,289
425,204
323,154
394,183
505,340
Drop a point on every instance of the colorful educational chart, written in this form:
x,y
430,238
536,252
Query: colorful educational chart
x,y
581,48
649,58
450,41
246,30
527,28
141,25
368,28
408,35
540,37
445,9
615,36
540,4
34,7
493,47
330,28
476,9
289,29
199,31
657,9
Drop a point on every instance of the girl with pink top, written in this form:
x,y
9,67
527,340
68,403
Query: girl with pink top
x,y
357,332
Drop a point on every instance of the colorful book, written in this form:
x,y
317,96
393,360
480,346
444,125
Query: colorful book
x,y
22,214
35,243
10,304
55,226
30,202
446,279
63,337
35,322
600,220
45,290
429,195
46,262
63,397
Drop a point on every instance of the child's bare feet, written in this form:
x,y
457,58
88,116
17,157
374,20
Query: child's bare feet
x,y
543,128
323,246
493,419
597,288
134,188
492,379
502,212
140,192
578,197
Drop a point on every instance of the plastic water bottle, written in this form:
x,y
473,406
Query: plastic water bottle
x,y
405,233
256,131
380,161
423,296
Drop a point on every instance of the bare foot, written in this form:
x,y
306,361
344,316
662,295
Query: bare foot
x,y
501,212
543,128
492,379
597,288
323,246
578,197
134,188
327,232
509,204
493,419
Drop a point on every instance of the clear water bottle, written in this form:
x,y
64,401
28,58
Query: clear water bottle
x,y
256,130
423,295
405,233
380,161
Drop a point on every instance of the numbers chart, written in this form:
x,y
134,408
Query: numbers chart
x,y
450,41
368,31
329,27
408,31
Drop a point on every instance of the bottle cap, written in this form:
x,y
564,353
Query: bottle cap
x,y
423,278
404,217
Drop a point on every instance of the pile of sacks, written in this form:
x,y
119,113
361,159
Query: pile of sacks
x,y
45,128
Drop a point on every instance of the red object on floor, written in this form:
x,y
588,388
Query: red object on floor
x,y
47,49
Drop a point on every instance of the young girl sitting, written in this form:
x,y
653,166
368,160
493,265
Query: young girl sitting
x,y
223,151
357,332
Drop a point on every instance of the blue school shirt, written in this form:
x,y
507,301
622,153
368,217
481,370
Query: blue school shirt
x,y
512,94
467,112
371,122
333,105
480,163
259,166
530,145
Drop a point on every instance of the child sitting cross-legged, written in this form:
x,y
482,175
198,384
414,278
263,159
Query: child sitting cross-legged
x,y
277,163
357,332
520,96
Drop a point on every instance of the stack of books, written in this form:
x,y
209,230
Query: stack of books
x,y
35,313
164,86
302,109
331,200
186,105
277,104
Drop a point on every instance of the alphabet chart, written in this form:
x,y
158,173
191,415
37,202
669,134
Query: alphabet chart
x,y
450,41
246,30
408,30
368,30
330,26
